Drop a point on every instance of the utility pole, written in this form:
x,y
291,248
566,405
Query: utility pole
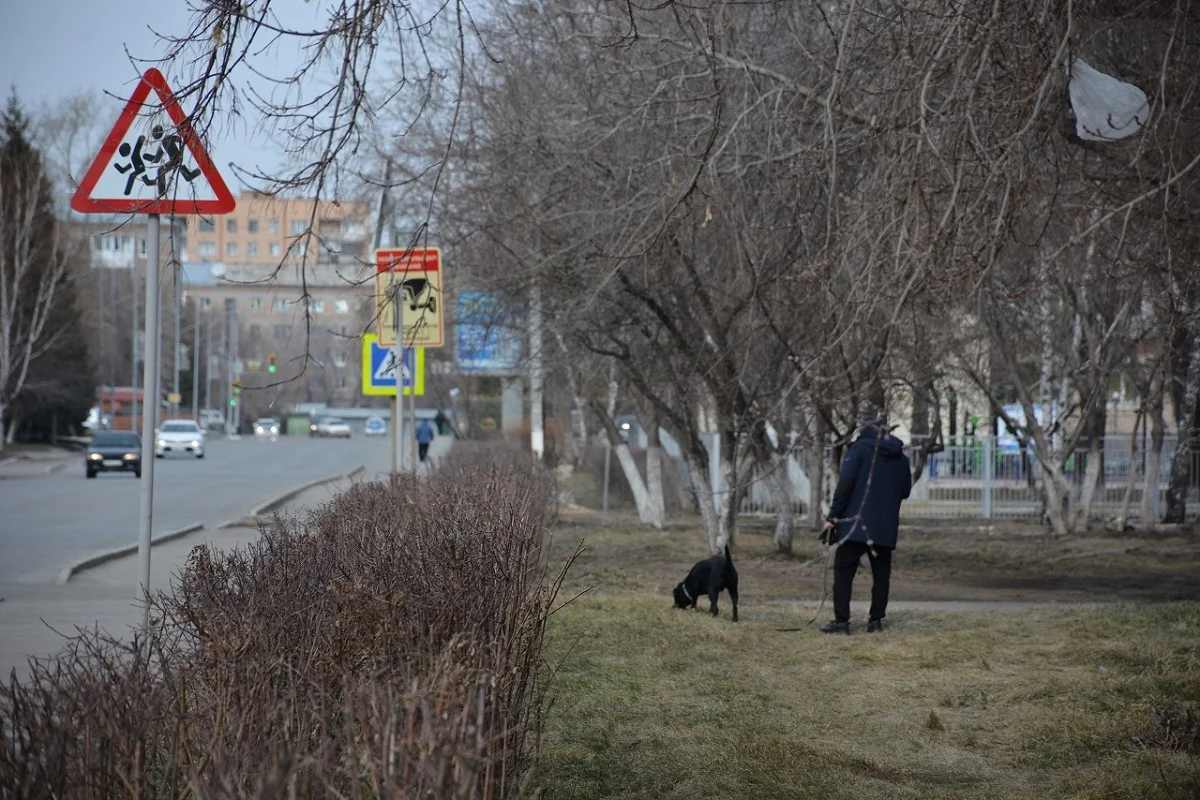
x,y
208,360
231,355
133,380
175,303
224,395
196,363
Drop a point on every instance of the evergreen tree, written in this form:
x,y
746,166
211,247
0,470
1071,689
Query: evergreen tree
x,y
47,382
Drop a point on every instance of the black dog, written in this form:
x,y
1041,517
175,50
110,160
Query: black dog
x,y
710,577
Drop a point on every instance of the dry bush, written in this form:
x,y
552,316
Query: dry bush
x,y
387,644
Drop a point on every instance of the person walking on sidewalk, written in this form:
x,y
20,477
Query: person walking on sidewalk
x,y
864,517
425,436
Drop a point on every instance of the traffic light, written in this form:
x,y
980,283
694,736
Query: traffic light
x,y
237,386
272,363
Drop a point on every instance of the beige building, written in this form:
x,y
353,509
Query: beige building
x,y
295,273
268,231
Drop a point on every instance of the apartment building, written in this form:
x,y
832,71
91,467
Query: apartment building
x,y
294,273
270,231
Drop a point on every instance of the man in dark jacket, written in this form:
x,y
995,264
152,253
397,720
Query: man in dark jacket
x,y
865,518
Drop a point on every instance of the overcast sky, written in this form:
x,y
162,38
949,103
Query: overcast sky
x,y
52,49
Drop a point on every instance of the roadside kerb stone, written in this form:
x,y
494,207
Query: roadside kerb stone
x,y
95,560
275,503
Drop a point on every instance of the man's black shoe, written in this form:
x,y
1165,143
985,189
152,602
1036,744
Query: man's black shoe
x,y
835,627
874,626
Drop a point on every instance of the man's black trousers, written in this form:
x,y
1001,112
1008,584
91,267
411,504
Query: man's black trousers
x,y
845,563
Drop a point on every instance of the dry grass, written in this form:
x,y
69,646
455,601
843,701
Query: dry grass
x,y
656,703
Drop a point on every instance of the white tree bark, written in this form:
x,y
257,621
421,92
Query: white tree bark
x,y
656,507
27,284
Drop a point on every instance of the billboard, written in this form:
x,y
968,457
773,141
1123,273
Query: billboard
x,y
486,339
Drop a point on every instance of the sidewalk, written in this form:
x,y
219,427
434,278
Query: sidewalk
x,y
34,618
35,463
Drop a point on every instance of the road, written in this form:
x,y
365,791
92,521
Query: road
x,y
49,522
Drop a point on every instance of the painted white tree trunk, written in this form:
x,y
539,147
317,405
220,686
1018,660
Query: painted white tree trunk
x,y
701,484
656,507
781,492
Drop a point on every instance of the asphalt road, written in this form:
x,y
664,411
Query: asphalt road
x,y
49,522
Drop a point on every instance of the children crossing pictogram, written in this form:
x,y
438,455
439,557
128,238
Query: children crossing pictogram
x,y
152,162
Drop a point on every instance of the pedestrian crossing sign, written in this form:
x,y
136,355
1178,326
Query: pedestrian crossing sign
x,y
381,368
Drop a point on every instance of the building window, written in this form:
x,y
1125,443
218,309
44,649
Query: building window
x,y
315,306
252,226
207,225
231,226
339,382
343,330
205,303
273,226
207,249
274,250
256,304
231,249
342,306
301,250
282,305
142,247
254,329
353,227
298,226
252,249
281,331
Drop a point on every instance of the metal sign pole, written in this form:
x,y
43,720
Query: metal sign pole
x,y
412,404
398,362
150,380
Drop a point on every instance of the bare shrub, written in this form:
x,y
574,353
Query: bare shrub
x,y
386,644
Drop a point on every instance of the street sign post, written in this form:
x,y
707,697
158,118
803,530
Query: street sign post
x,y
153,163
410,281
379,365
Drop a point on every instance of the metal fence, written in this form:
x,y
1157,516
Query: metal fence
x,y
975,480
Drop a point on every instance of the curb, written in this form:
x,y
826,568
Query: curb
x,y
271,505
68,572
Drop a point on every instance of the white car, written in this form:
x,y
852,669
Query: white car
x,y
375,426
212,420
333,426
266,428
179,436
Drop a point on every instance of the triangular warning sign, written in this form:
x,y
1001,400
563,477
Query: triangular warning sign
x,y
153,163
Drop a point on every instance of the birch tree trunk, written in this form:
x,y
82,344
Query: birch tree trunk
x,y
1154,456
655,504
815,463
785,515
697,462
1122,520
1177,489
1091,478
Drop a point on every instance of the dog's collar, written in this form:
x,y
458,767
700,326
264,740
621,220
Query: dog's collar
x,y
683,586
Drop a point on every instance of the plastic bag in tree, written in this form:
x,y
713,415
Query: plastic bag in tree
x,y
1106,109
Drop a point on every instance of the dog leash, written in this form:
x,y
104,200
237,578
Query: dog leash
x,y
830,551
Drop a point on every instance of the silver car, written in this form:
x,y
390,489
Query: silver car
x,y
182,436
267,428
334,427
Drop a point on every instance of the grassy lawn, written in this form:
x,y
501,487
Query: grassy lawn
x,y
650,702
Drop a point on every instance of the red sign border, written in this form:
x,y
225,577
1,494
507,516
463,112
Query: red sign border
x,y
82,201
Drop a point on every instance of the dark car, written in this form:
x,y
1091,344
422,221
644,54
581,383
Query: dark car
x,y
114,451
